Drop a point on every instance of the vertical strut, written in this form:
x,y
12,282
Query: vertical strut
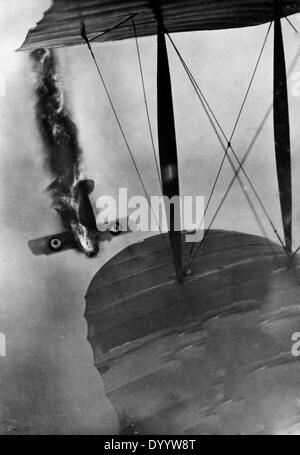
x,y
168,148
282,134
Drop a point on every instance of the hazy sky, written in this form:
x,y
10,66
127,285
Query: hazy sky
x,y
48,381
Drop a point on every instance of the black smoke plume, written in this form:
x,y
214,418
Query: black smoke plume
x,y
63,155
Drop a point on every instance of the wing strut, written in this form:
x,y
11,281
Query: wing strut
x,y
168,149
282,135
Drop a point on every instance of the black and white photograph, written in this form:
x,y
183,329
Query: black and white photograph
x,y
150,220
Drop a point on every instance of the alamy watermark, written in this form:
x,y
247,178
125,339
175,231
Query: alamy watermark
x,y
153,214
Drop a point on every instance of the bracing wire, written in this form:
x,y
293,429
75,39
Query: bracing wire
x,y
146,102
113,28
219,171
83,34
257,134
291,24
197,88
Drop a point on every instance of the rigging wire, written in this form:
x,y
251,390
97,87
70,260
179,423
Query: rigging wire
x,y
256,135
219,171
146,103
84,36
296,251
113,28
235,125
291,24
251,81
236,176
210,224
197,88
258,131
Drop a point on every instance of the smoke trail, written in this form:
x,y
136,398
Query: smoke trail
x,y
63,155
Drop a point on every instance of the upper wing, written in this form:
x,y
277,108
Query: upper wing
x,y
60,25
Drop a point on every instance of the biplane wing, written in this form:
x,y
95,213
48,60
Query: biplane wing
x,y
56,243
110,20
52,243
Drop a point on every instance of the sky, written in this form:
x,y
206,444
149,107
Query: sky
x,y
48,381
